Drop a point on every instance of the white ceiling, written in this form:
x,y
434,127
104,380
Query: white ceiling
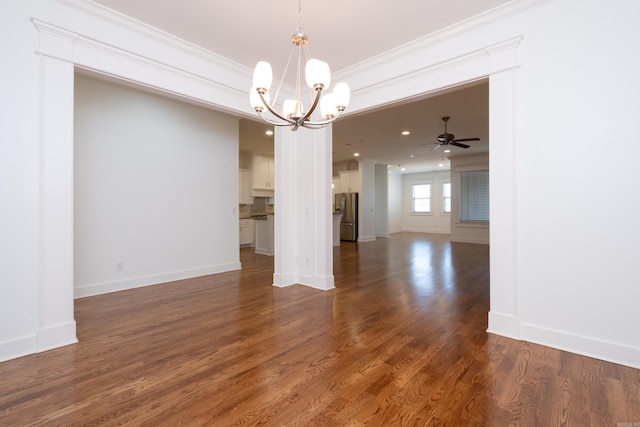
x,y
342,33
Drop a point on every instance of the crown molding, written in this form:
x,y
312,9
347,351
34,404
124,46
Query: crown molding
x,y
124,21
504,11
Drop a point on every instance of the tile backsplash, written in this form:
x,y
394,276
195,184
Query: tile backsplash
x,y
260,206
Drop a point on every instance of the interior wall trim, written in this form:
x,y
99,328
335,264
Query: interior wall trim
x,y
588,346
139,282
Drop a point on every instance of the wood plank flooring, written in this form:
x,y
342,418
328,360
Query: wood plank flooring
x,y
401,341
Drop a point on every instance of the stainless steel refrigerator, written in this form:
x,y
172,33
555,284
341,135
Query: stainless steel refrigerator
x,y
347,204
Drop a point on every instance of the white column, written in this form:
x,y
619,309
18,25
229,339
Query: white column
x,y
303,217
382,200
56,324
366,201
504,315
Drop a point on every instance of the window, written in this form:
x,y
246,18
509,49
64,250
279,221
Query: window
x,y
421,196
446,197
474,196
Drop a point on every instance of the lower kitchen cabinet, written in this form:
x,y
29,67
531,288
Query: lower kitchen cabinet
x,y
246,232
264,235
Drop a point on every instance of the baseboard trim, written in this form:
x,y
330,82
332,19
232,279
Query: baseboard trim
x,y
510,326
43,340
138,282
586,346
18,347
323,283
426,231
504,324
56,336
467,240
283,280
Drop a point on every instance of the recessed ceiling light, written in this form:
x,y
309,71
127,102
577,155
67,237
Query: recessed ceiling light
x,y
269,132
412,156
447,151
406,132
356,154
440,165
403,169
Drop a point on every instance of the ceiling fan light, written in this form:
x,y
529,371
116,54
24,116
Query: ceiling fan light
x,y
262,76
317,74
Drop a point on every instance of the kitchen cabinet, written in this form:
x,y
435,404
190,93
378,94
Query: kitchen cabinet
x,y
264,236
350,182
246,232
244,187
263,176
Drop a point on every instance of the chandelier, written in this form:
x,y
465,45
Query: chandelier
x,y
318,79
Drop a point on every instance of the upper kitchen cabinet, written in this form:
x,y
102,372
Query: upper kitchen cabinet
x,y
244,187
262,176
349,182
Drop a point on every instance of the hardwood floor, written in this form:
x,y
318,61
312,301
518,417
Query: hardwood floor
x,y
400,341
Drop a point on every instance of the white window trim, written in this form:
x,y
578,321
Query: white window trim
x,y
421,182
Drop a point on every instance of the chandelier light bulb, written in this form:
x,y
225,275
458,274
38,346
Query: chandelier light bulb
x,y
342,95
292,109
318,74
262,76
328,106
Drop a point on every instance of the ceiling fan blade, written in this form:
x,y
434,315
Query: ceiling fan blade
x,y
435,148
457,144
467,139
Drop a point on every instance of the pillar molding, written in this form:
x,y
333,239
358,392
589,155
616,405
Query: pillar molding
x,y
56,323
303,220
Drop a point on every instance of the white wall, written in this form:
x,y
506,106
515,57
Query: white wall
x,y
461,231
395,202
150,173
562,95
435,222
43,40
577,279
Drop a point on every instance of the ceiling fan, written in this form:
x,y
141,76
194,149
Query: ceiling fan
x,y
449,138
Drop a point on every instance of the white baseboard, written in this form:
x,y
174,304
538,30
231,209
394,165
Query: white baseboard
x,y
57,336
510,327
284,280
504,324
43,340
323,283
470,240
138,282
587,346
430,231
18,347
